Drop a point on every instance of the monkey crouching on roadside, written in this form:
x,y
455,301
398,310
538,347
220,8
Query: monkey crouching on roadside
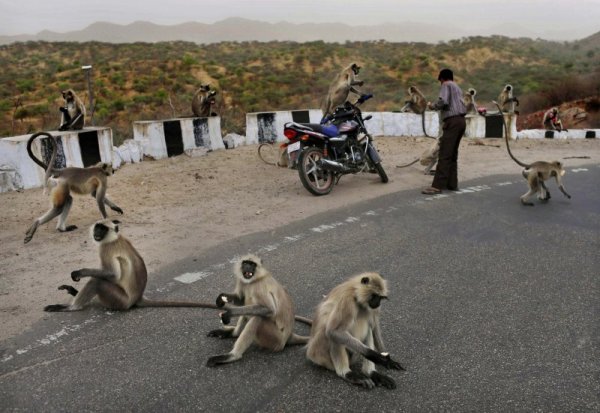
x,y
120,281
265,311
346,331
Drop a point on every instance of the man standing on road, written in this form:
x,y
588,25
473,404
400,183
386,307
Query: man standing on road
x,y
452,111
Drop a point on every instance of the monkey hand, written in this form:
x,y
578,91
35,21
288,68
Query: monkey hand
x,y
360,83
222,300
76,275
63,109
225,317
384,359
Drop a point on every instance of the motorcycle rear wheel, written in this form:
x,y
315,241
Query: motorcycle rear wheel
x,y
315,179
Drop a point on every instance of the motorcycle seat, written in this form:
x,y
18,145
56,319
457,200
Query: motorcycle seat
x,y
327,130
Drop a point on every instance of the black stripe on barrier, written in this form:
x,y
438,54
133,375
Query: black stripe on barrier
x,y
173,137
46,150
301,116
201,132
494,126
90,147
549,134
590,134
266,127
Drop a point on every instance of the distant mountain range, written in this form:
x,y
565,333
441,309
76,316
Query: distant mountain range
x,y
238,29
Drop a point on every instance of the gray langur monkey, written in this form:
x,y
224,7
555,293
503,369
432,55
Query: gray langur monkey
x,y
203,100
92,180
265,310
469,101
537,173
120,281
416,103
341,87
507,101
73,113
551,120
346,330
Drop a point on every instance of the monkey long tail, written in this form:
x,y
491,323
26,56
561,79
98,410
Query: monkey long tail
x,y
304,320
33,157
506,137
424,130
408,164
260,155
144,302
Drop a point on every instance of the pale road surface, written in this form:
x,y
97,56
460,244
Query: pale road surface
x,y
493,306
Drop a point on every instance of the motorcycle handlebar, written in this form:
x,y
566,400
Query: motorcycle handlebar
x,y
364,98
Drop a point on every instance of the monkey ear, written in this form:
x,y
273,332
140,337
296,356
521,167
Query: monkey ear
x,y
364,280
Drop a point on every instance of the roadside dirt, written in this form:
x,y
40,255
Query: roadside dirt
x,y
179,206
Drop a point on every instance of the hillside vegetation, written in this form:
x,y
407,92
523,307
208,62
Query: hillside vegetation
x,y
143,81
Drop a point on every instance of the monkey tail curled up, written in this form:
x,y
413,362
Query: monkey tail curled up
x,y
267,152
30,143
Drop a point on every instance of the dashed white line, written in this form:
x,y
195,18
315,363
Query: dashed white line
x,y
192,277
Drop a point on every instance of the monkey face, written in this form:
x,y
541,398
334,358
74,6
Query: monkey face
x,y
375,300
508,88
372,290
105,230
355,68
67,95
248,269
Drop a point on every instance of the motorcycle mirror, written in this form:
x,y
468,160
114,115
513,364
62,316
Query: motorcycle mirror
x,y
368,117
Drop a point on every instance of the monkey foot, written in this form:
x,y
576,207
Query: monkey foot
x,y
68,229
55,307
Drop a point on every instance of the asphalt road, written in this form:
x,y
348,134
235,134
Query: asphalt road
x,y
493,306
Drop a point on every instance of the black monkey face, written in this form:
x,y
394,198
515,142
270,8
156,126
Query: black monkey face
x,y
248,269
355,68
100,231
67,95
508,88
375,300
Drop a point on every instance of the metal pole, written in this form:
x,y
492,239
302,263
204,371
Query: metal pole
x,y
88,70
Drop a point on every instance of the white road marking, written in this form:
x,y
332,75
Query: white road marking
x,y
579,170
192,277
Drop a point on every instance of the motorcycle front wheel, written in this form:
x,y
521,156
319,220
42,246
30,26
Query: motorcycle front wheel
x,y
382,175
315,179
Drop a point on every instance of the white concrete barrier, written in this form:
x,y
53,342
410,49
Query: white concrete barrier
x,y
80,148
268,126
171,137
402,123
569,134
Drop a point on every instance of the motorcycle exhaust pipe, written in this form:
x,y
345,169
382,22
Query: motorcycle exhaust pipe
x,y
332,166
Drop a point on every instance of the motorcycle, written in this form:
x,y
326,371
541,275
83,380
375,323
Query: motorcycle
x,y
339,145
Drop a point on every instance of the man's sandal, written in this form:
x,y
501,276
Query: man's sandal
x,y
431,191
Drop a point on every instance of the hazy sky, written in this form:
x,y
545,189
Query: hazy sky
x,y
562,19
